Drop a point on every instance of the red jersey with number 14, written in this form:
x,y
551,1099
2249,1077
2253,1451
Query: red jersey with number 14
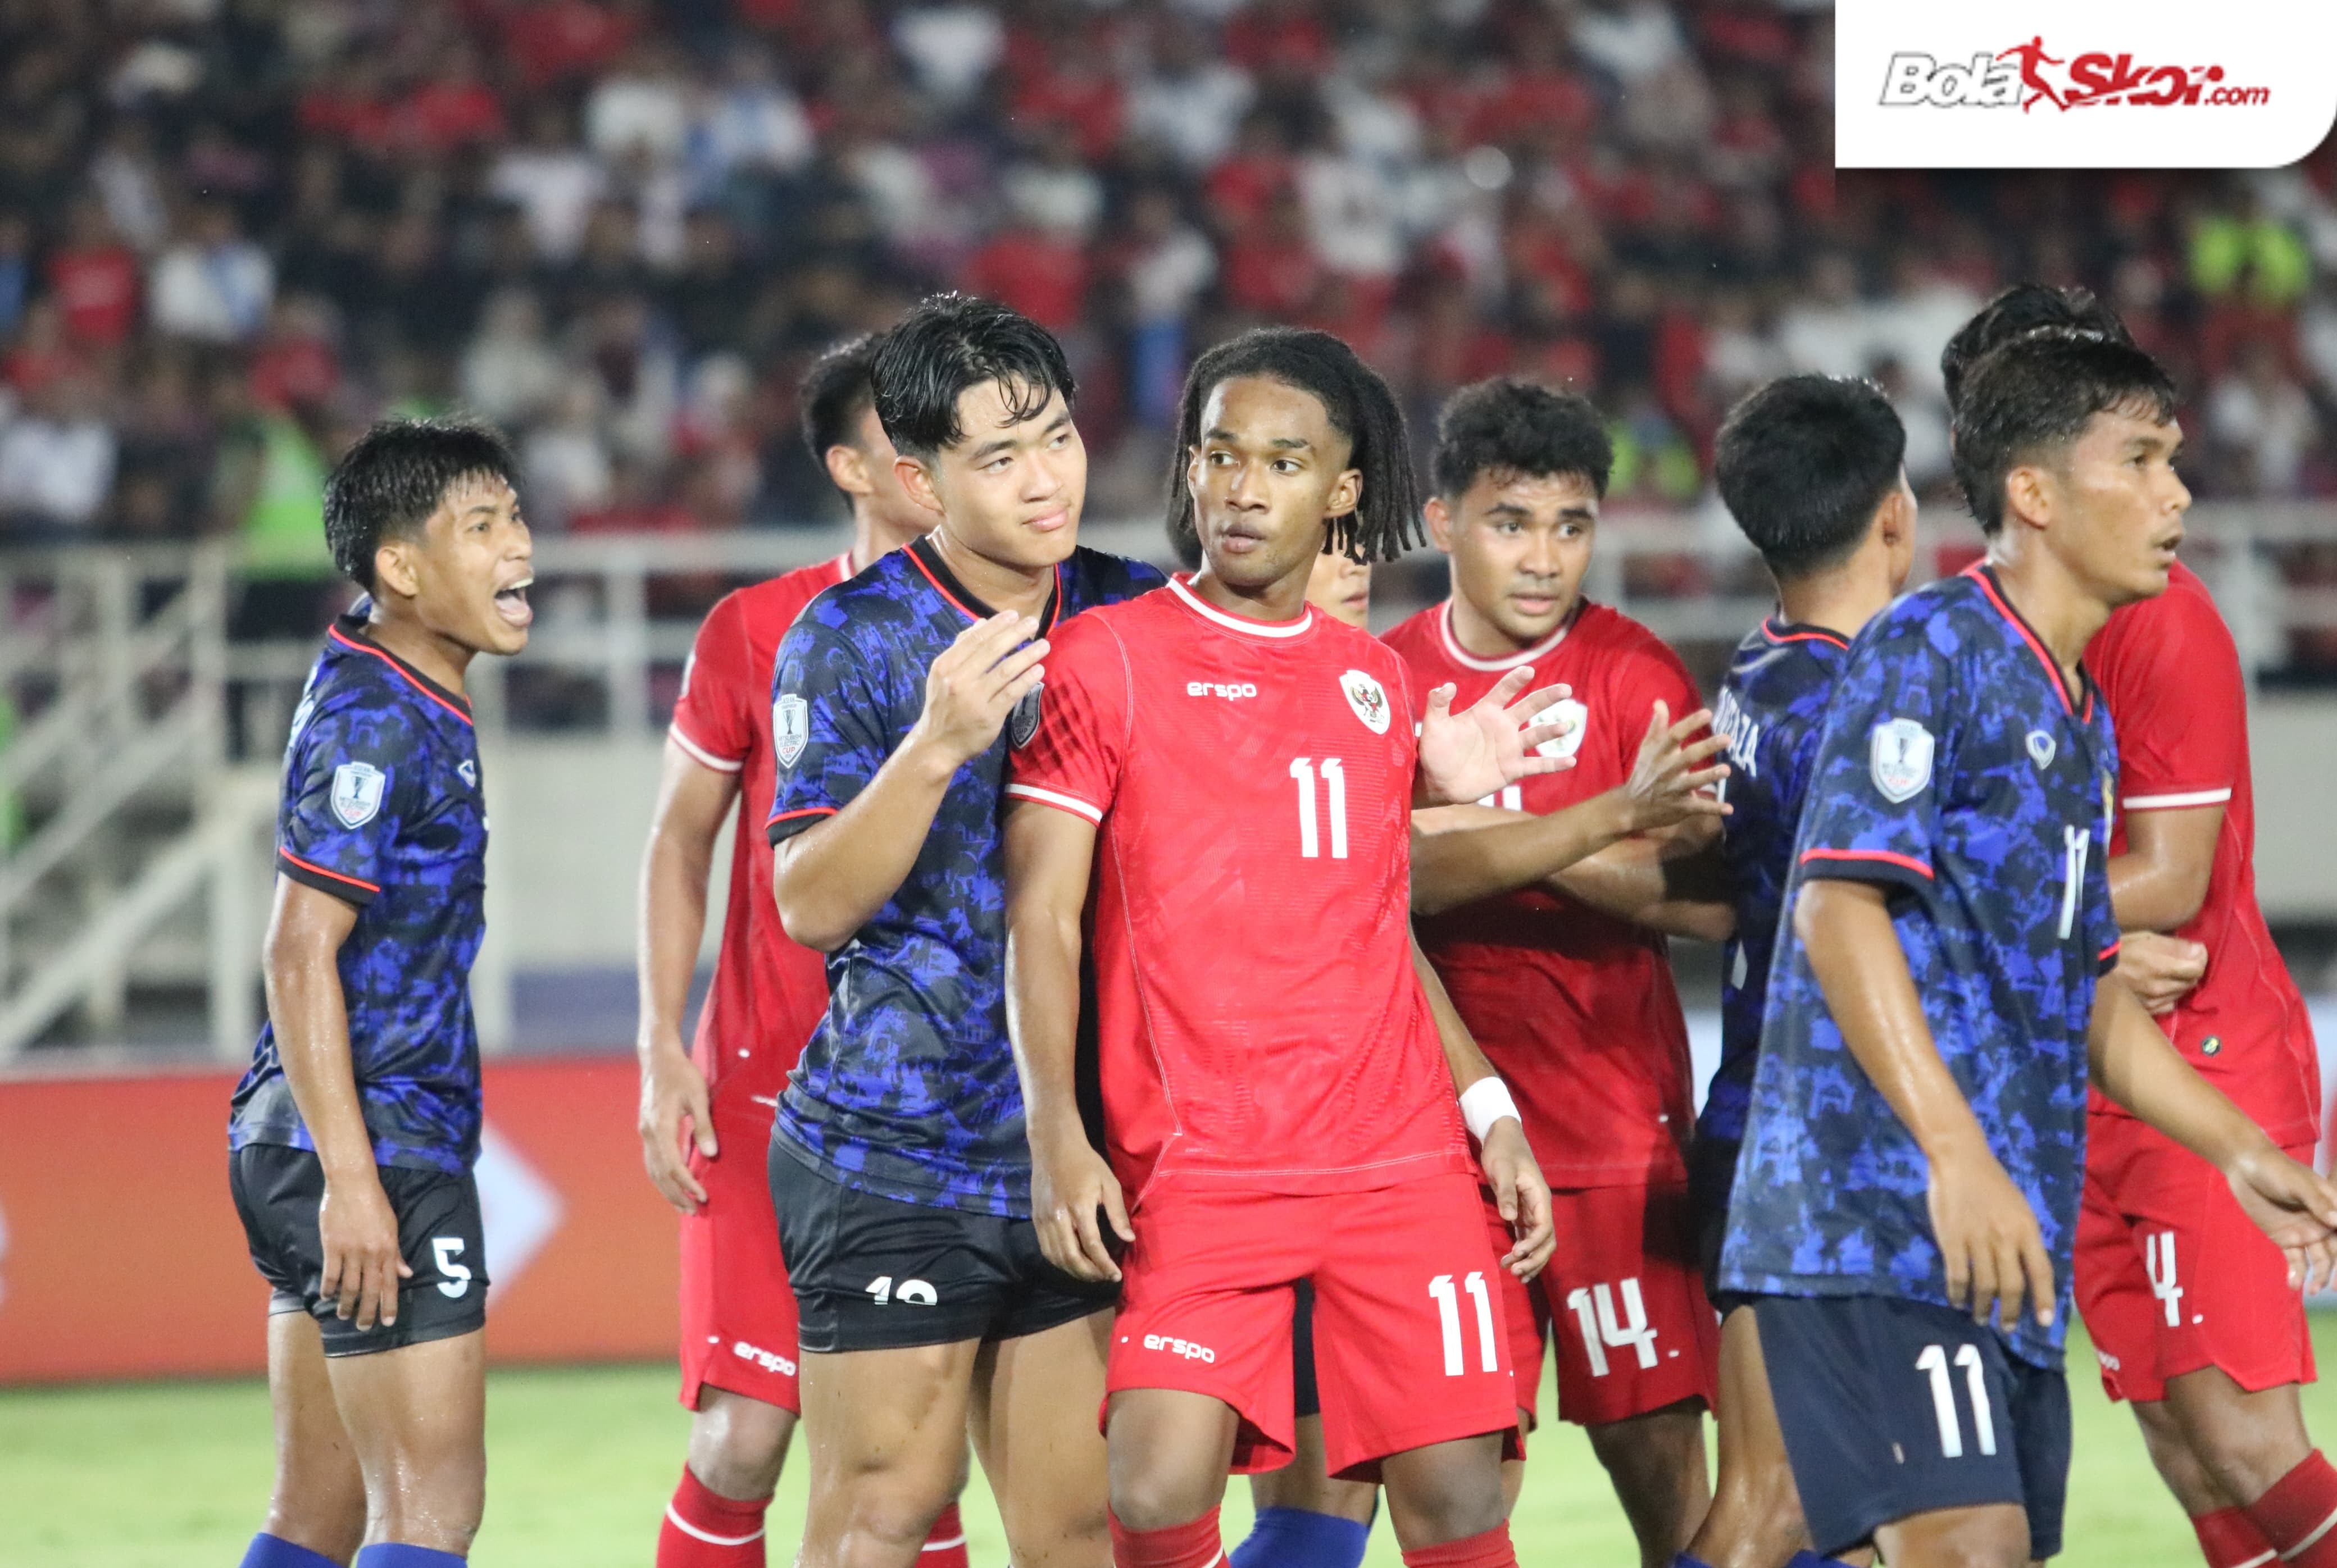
x,y
1260,1021
2179,702
1577,1010
768,993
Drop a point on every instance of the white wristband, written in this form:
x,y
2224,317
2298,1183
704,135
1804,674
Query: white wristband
x,y
1484,1103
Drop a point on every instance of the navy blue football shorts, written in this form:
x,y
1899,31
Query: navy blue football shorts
x,y
1893,1408
440,1234
1711,1181
877,1273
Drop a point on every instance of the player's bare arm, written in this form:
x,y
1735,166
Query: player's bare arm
x,y
1467,756
831,878
1680,890
2157,886
1518,1190
692,799
1463,854
1988,1239
2134,1064
1049,855
358,1229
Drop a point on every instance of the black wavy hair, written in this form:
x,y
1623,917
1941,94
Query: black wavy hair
x,y
1386,522
387,485
2023,307
948,343
1804,462
2027,399
1508,426
834,393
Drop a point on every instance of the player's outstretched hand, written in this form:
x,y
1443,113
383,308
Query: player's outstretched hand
x,y
1988,1239
673,1091
362,1263
2160,970
1521,1195
1466,756
1668,782
2294,1207
1073,1194
976,682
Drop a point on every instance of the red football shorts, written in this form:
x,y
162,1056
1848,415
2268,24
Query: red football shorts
x,y
1624,1297
738,1312
1409,1347
2172,1276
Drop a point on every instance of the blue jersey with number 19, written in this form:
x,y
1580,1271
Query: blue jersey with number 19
x,y
1962,774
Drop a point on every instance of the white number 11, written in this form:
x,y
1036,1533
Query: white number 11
x,y
1334,783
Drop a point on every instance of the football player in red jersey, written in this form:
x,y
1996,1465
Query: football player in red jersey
x,y
1235,770
2190,1310
705,1121
1576,1008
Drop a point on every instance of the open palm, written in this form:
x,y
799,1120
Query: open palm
x,y
1465,757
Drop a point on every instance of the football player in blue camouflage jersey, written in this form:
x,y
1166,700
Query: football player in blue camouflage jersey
x,y
353,1136
1908,1189
1812,469
898,1164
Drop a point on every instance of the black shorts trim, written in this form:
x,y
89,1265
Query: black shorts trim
x,y
1880,1402
877,1273
440,1234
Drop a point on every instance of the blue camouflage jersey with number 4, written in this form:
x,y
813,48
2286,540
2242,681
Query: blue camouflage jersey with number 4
x,y
1959,772
907,1088
382,810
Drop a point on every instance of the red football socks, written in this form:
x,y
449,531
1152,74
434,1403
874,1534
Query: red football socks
x,y
1489,1550
2298,1517
944,1546
2229,1538
1195,1546
704,1529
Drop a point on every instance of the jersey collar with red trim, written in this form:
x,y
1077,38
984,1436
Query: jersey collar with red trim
x,y
1979,571
927,559
348,633
1777,630
1467,660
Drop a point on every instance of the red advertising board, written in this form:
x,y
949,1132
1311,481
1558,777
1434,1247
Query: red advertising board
x,y
121,1255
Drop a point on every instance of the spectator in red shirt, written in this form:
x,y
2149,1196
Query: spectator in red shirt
x,y
296,366
1258,169
1283,38
1272,272
93,278
1039,272
556,41
452,109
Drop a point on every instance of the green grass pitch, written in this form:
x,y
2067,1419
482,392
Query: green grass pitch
x,y
581,1460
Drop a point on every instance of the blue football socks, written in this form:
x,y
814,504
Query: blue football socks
x,y
267,1551
1295,1538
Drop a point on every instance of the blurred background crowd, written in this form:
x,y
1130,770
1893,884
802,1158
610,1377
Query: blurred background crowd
x,y
234,231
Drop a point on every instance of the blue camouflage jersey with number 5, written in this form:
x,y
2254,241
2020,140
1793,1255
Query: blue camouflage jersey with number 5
x,y
382,810
1959,772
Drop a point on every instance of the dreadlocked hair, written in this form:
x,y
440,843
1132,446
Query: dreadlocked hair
x,y
1386,522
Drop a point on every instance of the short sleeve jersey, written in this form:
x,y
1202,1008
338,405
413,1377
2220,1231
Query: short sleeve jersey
x,y
907,1088
1772,712
1260,1022
381,808
1576,1008
2172,677
1959,772
768,992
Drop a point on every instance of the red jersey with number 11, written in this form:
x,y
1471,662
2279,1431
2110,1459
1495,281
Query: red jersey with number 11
x,y
1260,1021
768,993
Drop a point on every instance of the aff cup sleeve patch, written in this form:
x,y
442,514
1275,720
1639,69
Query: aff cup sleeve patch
x,y
1899,756
357,789
790,728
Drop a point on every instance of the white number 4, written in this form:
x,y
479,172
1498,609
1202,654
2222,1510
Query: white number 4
x,y
454,1279
1448,1312
1594,1309
1934,1361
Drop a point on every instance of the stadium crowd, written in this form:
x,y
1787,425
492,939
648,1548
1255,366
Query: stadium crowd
x,y
233,231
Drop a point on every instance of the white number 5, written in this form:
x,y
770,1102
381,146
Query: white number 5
x,y
457,1277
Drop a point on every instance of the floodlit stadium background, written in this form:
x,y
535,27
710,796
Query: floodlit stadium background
x,y
233,231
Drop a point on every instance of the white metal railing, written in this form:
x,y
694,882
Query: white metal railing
x,y
118,665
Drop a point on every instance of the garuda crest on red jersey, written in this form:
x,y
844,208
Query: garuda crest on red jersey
x,y
1368,698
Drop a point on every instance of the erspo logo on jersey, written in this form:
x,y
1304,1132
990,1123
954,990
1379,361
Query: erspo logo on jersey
x,y
2090,85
